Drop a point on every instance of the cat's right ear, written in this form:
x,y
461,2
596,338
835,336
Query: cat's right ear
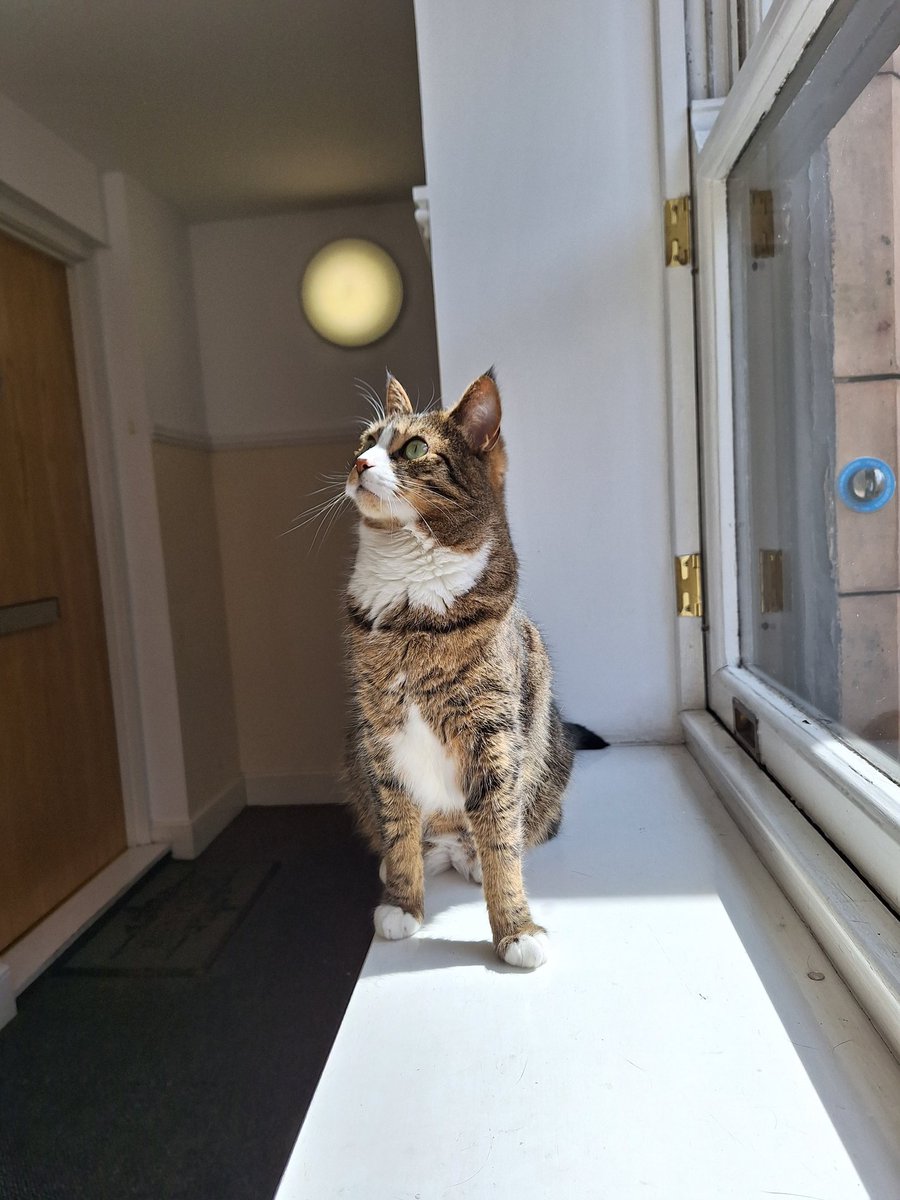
x,y
477,415
395,398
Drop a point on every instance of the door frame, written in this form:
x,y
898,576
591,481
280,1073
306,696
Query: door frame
x,y
54,200
76,249
838,792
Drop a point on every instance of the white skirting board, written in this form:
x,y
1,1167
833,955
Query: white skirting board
x,y
25,959
313,787
688,1040
190,838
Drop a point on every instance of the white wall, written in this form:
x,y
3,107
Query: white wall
x,y
151,237
267,375
124,363
272,386
541,156
164,293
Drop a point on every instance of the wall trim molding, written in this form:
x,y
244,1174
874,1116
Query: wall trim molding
x,y
310,787
43,230
51,193
167,436
181,437
190,837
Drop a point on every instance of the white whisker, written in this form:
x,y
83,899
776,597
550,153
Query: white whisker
x,y
433,403
317,510
326,525
329,487
369,394
404,492
319,503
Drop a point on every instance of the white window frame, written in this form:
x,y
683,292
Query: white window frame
x,y
854,803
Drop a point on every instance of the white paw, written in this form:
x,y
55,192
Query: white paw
x,y
528,951
393,923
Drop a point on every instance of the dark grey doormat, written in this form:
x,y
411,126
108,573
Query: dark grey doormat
x,y
177,924
162,1086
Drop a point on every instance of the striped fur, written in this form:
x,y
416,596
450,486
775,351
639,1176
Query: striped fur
x,y
456,754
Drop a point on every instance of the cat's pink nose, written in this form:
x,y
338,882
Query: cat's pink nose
x,y
362,465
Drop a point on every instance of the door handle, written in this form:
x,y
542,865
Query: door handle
x,y
14,618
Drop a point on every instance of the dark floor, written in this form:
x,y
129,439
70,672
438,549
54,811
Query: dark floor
x,y
164,1086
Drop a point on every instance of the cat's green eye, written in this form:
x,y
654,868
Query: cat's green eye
x,y
414,449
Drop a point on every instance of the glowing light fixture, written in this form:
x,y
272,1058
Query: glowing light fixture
x,y
351,292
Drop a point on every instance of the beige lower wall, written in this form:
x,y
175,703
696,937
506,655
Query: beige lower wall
x,y
283,599
189,529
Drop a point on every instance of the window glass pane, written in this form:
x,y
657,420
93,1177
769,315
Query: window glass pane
x,y
814,215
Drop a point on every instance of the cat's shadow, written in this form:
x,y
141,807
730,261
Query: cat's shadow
x,y
428,953
428,950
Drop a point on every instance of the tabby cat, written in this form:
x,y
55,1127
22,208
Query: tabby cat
x,y
456,753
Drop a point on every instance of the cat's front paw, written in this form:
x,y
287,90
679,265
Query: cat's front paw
x,y
527,950
393,923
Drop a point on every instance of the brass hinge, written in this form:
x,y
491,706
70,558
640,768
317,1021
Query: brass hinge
x,y
688,585
762,225
771,581
678,232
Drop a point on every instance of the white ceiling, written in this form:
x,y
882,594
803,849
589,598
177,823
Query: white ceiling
x,y
226,107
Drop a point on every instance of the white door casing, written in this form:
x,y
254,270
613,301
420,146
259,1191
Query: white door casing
x,y
53,199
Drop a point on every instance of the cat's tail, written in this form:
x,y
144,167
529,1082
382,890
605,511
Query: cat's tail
x,y
583,738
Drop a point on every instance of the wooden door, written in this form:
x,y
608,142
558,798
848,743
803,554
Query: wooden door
x,y
61,812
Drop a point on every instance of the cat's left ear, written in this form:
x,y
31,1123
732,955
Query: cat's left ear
x,y
396,400
477,415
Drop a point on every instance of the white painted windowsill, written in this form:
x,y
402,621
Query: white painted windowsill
x,y
675,1046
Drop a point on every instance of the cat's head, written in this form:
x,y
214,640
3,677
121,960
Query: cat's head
x,y
443,469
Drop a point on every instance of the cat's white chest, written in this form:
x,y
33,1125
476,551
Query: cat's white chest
x,y
406,566
423,766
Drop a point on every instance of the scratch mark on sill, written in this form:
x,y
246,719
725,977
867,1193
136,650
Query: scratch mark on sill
x,y
481,1168
802,1195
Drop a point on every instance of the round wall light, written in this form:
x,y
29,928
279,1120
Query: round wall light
x,y
351,292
